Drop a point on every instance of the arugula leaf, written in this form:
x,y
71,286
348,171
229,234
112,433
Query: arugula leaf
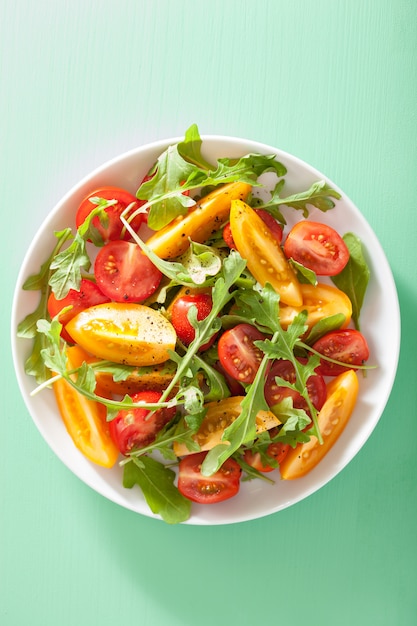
x,y
181,168
156,481
243,429
190,149
353,279
319,195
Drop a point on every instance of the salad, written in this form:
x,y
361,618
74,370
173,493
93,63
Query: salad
x,y
192,336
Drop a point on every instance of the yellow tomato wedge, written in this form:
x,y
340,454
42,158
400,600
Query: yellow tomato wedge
x,y
319,301
265,258
132,334
219,416
148,378
84,419
199,223
333,417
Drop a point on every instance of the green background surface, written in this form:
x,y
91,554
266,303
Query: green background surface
x,y
333,82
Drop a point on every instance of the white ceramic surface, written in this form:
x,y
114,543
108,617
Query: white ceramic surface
x,y
379,318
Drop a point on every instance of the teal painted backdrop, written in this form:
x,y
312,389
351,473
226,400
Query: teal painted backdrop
x,y
333,82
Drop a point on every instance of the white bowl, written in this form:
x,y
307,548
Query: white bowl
x,y
379,319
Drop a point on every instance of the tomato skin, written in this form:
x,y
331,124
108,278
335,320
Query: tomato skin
x,y
318,247
274,393
136,428
265,259
209,215
348,345
342,393
124,273
274,226
277,451
113,230
88,295
319,301
84,419
133,334
179,312
238,355
220,414
222,485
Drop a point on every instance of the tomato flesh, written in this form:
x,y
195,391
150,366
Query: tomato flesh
x,y
318,247
342,392
319,301
238,354
265,259
275,393
88,295
124,273
133,334
348,346
222,485
84,419
277,451
113,230
274,226
179,316
136,428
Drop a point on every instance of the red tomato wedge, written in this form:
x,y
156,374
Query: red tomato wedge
x,y
222,485
124,273
275,393
238,355
179,316
348,346
136,428
318,247
342,392
113,230
84,419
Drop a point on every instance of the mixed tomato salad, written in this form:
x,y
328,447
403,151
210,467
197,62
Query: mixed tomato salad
x,y
192,336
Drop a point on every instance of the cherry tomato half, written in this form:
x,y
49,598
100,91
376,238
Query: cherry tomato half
x,y
124,273
222,485
85,419
136,428
265,259
318,247
113,230
238,354
342,393
179,316
348,346
277,451
275,393
88,295
274,226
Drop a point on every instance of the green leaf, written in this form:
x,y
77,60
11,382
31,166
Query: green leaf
x,y
156,482
324,326
319,195
190,149
304,274
354,278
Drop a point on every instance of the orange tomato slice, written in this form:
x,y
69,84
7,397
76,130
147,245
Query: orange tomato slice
x,y
133,334
219,416
84,419
319,301
333,417
265,258
199,223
